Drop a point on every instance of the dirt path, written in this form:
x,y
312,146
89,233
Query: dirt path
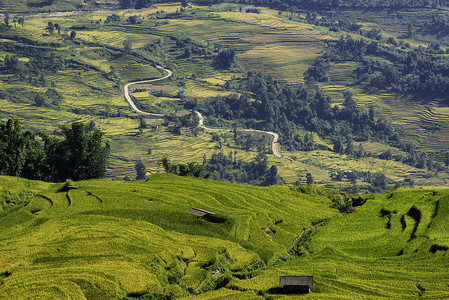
x,y
131,102
275,137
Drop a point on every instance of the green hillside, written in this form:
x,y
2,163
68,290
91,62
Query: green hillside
x,y
108,240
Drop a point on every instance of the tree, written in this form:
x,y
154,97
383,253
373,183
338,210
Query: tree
x,y
21,21
409,30
338,146
141,170
80,155
309,178
12,148
40,100
73,34
272,177
142,123
7,21
225,59
127,45
187,52
50,27
58,28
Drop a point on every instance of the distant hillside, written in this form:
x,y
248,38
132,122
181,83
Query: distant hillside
x,y
25,6
99,239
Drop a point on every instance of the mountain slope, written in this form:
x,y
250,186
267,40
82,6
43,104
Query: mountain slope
x,y
111,239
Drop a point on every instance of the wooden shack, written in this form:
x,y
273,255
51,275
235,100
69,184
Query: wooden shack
x,y
296,284
200,213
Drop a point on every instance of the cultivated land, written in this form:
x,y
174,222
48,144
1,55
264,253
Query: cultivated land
x,y
114,239
266,42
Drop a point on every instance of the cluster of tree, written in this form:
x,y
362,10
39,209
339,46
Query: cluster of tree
x,y
34,70
137,4
193,169
225,59
223,168
79,155
413,158
43,60
287,110
52,27
438,26
250,142
253,10
331,19
410,71
378,182
323,4
50,98
174,123
255,172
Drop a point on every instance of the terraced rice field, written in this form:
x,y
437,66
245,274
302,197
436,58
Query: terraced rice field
x,y
202,90
284,61
110,239
388,248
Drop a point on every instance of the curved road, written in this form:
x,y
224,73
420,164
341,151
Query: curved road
x,y
274,141
131,102
273,135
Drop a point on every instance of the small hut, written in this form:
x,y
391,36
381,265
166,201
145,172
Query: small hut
x,y
200,213
296,284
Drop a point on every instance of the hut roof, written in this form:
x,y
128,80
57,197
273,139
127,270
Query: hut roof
x,y
296,280
199,212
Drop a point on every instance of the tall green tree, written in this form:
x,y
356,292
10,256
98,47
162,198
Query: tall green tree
x,y
80,155
50,27
14,148
141,170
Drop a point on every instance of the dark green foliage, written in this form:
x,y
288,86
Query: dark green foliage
x,y
225,59
229,168
141,170
309,178
421,71
80,155
20,153
378,181
193,169
137,4
318,72
287,110
253,10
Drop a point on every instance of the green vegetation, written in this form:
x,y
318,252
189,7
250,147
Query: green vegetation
x,y
82,154
112,239
101,239
69,67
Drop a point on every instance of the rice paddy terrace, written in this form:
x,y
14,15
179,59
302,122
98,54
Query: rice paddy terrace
x,y
104,240
266,42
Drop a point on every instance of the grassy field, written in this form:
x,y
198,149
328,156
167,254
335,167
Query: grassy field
x,y
115,239
112,239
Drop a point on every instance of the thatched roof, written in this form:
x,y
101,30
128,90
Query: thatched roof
x,y
199,212
296,280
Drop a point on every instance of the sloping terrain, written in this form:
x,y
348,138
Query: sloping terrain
x,y
108,240
112,239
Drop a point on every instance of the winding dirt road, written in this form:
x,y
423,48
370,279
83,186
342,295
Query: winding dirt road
x,y
131,102
275,137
